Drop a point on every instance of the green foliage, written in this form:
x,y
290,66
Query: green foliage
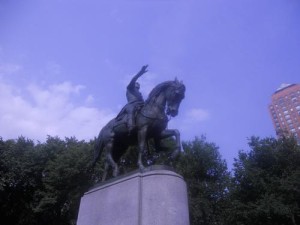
x,y
42,183
207,179
266,183
65,179
19,179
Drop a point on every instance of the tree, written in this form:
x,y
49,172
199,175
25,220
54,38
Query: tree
x,y
266,183
20,177
207,180
66,178
43,183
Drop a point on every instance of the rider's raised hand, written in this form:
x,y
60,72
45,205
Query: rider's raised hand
x,y
143,70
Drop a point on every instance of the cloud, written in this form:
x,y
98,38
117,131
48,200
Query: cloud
x,y
197,115
37,111
57,95
89,99
9,68
53,68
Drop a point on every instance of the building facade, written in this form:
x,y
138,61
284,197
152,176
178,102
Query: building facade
x,y
285,110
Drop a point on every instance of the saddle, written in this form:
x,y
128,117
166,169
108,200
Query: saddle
x,y
132,107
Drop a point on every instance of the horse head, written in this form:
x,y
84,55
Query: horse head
x,y
174,96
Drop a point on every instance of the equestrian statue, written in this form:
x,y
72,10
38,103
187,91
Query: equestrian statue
x,y
140,121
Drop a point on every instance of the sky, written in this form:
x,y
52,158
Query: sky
x,y
65,64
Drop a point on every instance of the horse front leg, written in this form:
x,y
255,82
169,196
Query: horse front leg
x,y
142,133
172,133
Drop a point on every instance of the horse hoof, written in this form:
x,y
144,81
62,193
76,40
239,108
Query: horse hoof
x,y
141,167
116,173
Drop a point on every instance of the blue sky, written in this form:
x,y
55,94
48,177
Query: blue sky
x,y
65,64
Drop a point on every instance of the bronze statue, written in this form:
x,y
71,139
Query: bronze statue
x,y
135,100
149,121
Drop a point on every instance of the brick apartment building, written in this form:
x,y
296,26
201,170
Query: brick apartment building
x,y
285,110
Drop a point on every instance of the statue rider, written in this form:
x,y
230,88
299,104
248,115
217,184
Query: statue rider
x,y
134,98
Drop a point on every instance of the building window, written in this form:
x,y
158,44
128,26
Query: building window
x,y
281,101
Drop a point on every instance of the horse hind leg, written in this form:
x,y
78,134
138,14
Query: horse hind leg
x,y
114,166
110,161
106,165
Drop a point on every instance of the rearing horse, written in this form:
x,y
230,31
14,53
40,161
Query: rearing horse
x,y
151,122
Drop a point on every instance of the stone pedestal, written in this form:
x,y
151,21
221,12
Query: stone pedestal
x,y
158,196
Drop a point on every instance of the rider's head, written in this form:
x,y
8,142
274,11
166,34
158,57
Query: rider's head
x,y
137,86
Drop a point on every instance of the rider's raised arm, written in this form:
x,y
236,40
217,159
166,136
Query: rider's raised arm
x,y
134,79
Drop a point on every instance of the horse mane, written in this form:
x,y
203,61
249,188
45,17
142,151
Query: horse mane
x,y
157,90
161,87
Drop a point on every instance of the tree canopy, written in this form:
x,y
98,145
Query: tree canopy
x,y
207,179
42,183
266,183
